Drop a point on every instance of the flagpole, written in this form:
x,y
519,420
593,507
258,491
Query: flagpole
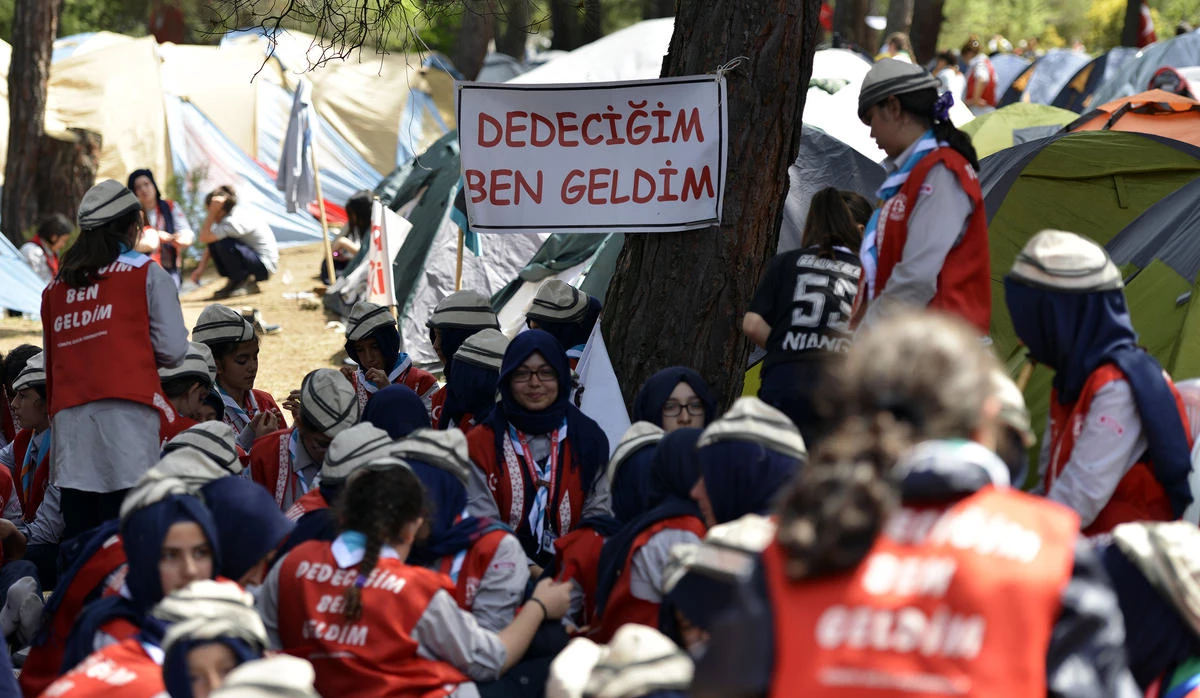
x,y
324,219
458,267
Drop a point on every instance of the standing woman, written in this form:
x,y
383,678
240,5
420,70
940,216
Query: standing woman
x,y
108,304
801,311
542,459
927,245
167,233
41,252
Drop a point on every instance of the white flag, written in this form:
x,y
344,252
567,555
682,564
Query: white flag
x,y
295,177
388,233
602,399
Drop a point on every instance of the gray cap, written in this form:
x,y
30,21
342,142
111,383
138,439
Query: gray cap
x,y
558,301
212,600
33,374
446,449
638,661
890,77
754,421
354,448
1013,411
276,676
1062,261
1165,553
105,202
638,436
218,324
198,363
365,318
152,488
466,310
328,402
215,440
485,349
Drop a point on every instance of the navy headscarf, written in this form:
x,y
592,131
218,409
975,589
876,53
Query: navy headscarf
x,y
451,339
589,445
387,336
657,390
397,410
1156,638
142,536
1077,333
248,523
573,334
175,668
471,389
673,473
450,530
631,493
743,477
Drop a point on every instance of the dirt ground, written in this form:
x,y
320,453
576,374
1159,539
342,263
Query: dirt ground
x,y
304,344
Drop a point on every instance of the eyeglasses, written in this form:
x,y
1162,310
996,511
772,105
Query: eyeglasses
x,y
545,374
673,409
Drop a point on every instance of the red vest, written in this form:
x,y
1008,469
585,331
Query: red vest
x,y
964,284
436,403
265,402
577,557
375,655
475,564
170,424
420,381
1139,496
87,327
271,463
42,666
311,501
123,669
623,607
931,611
506,480
989,90
7,425
41,476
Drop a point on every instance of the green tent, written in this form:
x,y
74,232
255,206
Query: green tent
x,y
1020,122
1097,184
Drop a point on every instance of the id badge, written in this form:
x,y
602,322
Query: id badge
x,y
548,539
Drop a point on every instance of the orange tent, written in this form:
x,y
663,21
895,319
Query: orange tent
x,y
1155,112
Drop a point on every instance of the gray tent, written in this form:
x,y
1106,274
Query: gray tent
x,y
1134,74
1042,81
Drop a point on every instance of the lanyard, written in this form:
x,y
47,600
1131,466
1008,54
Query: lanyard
x,y
240,417
539,478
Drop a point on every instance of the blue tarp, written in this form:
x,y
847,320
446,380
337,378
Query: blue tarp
x,y
20,288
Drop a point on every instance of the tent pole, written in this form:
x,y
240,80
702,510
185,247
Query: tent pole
x,y
458,266
1024,374
324,219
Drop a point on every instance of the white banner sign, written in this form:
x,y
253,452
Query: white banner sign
x,y
388,232
634,157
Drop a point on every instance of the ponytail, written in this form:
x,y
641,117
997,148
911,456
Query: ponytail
x,y
922,103
830,517
830,224
378,504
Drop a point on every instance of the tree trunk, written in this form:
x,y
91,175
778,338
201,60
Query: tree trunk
x,y
471,45
511,40
678,298
1129,35
850,21
593,21
566,25
899,16
654,9
35,23
68,170
926,26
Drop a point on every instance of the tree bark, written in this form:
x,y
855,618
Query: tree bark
x,y
68,170
566,25
35,23
511,40
849,21
928,16
593,21
678,298
654,9
471,45
1129,34
899,16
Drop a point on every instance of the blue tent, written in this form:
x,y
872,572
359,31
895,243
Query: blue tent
x,y
20,288
1042,81
1077,94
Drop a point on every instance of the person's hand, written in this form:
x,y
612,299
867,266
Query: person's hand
x,y
292,404
7,529
13,540
535,572
377,377
165,237
264,423
348,372
555,596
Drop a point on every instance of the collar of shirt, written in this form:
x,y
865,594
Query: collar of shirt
x,y
349,547
893,164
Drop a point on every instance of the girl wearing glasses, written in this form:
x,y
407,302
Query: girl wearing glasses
x,y
675,398
541,458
